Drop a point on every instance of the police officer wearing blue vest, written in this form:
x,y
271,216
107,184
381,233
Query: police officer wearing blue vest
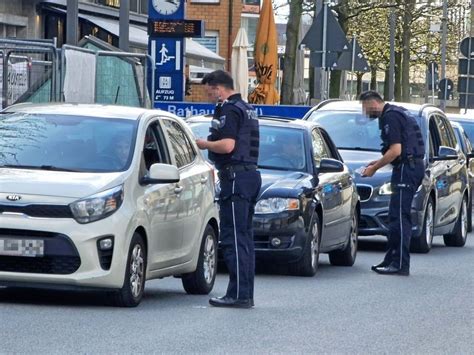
x,y
403,147
233,147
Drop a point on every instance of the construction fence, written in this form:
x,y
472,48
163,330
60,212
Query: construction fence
x,y
37,71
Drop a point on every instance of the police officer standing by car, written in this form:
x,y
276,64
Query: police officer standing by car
x,y
403,147
233,147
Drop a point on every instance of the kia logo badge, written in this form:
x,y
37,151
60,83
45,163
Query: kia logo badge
x,y
13,198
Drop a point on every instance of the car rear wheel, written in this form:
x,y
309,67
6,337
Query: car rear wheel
x,y
459,236
201,281
133,287
308,264
347,256
423,243
469,217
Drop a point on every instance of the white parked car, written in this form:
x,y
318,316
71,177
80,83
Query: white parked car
x,y
104,197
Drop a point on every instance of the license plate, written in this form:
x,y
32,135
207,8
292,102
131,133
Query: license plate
x,y
22,247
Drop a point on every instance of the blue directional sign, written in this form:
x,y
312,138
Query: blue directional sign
x,y
167,54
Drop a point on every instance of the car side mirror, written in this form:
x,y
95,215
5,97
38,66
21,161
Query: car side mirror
x,y
328,165
446,153
161,174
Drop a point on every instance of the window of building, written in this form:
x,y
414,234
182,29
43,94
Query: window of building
x,y
210,41
250,23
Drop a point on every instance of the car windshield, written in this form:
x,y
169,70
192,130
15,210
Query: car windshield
x,y
468,128
281,148
350,130
66,143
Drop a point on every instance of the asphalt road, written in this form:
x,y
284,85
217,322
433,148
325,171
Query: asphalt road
x,y
341,310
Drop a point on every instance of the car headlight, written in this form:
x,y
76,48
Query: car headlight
x,y
386,189
276,205
97,206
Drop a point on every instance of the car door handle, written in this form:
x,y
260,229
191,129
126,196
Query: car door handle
x,y
203,179
178,189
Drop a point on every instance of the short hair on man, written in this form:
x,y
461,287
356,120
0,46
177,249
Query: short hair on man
x,y
370,95
219,77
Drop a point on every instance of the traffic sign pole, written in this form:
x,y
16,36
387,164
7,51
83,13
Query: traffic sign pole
x,y
433,82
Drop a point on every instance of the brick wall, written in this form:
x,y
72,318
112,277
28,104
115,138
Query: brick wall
x,y
216,18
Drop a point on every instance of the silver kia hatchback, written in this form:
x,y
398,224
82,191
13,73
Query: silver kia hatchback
x,y
104,197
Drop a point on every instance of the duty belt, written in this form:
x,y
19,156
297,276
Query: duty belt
x,y
227,172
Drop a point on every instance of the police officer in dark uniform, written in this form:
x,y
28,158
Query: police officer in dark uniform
x,y
233,147
403,147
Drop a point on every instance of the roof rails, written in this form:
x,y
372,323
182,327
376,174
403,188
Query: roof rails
x,y
324,103
424,106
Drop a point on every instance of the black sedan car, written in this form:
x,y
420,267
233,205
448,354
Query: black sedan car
x,y
308,203
466,147
442,202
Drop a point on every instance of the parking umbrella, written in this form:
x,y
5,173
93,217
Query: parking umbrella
x,y
266,58
240,67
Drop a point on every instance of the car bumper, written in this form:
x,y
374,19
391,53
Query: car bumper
x,y
279,238
375,221
71,255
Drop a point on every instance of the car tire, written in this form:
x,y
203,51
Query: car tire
x,y
309,262
347,256
469,217
201,281
424,242
459,236
131,293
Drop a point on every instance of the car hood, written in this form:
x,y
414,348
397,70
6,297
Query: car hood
x,y
282,183
354,159
56,183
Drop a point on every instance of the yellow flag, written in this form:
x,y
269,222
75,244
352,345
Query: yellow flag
x,y
266,58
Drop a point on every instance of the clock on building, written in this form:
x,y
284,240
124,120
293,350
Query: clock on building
x,y
166,7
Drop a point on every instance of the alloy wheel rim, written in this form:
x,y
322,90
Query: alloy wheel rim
x,y
314,245
209,259
464,220
429,225
137,267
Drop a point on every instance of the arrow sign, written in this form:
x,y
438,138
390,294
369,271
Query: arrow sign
x,y
344,62
336,40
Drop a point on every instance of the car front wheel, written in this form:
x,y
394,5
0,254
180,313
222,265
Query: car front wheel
x,y
423,243
133,287
347,256
201,281
308,264
459,236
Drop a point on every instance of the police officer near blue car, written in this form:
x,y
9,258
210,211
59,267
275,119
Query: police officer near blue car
x,y
233,147
403,147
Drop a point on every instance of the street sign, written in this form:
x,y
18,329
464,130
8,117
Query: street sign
x,y
446,87
462,66
463,85
466,45
344,62
433,76
316,60
336,40
466,101
167,56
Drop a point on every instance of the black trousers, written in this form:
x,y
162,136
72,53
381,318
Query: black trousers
x,y
406,178
237,205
